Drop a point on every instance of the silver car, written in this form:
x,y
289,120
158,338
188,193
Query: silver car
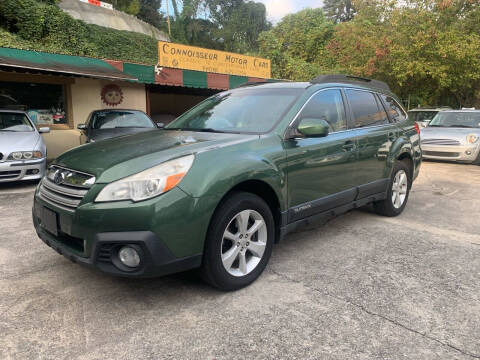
x,y
454,136
23,155
422,116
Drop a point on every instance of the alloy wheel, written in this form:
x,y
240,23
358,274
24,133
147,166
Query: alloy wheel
x,y
244,242
399,189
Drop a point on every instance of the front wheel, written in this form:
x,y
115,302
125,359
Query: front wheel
x,y
398,191
239,242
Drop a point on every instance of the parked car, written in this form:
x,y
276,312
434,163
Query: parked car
x,y
453,136
22,151
424,115
110,123
226,180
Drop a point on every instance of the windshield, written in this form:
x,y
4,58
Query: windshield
x,y
456,119
14,122
112,119
248,110
422,115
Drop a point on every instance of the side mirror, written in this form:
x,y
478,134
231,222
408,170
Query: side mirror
x,y
82,127
44,130
160,125
311,127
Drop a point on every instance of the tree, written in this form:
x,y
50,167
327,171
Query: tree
x,y
297,43
339,10
238,23
150,13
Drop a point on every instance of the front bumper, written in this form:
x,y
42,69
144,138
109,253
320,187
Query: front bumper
x,y
462,153
169,231
22,170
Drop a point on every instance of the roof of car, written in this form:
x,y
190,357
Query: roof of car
x,y
12,111
463,111
440,108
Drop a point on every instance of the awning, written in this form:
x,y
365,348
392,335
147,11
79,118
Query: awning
x,y
64,64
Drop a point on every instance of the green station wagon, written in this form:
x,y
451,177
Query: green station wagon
x,y
217,187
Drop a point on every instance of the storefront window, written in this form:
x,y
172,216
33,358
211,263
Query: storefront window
x,y
44,103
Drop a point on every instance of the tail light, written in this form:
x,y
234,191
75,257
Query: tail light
x,y
417,128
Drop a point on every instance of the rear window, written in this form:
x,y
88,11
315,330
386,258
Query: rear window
x,y
112,119
14,122
366,109
394,110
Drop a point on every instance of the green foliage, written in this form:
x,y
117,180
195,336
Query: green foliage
x,y
40,26
426,50
296,43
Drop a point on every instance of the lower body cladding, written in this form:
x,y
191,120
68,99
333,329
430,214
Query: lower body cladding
x,y
22,170
462,153
129,240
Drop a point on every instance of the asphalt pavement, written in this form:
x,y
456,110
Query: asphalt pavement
x,y
359,287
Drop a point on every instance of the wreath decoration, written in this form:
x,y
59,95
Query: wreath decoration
x,y
112,95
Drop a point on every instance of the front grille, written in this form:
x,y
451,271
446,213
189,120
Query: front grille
x,y
59,189
72,242
448,142
9,174
442,153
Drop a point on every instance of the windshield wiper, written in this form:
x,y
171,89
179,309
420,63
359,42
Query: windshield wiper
x,y
196,129
205,130
461,126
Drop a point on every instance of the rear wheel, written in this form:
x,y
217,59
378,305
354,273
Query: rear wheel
x,y
239,242
398,191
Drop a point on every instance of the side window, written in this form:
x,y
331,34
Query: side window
x,y
327,105
366,109
394,110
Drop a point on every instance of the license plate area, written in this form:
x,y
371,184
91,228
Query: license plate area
x,y
49,221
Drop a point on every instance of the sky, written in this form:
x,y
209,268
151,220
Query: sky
x,y
276,9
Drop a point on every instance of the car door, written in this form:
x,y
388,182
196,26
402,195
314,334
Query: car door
x,y
374,138
319,169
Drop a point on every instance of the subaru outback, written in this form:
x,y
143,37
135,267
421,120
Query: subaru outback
x,y
217,187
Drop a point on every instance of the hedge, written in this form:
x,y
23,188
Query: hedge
x,y
43,26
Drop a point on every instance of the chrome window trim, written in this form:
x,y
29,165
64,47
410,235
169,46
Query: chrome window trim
x,y
306,103
344,105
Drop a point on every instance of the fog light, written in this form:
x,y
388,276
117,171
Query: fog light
x,y
129,257
468,152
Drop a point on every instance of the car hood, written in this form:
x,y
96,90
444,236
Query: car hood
x,y
18,141
102,134
111,159
459,134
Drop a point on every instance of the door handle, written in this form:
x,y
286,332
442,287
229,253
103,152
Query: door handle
x,y
349,145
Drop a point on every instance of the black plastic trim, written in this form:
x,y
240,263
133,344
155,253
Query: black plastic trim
x,y
325,216
320,205
157,260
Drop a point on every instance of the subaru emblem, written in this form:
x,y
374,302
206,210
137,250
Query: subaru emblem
x,y
59,177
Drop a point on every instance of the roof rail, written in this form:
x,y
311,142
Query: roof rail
x,y
349,79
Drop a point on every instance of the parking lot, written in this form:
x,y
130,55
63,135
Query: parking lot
x,y
360,287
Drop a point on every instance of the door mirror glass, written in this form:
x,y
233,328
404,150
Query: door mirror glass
x,y
82,127
312,127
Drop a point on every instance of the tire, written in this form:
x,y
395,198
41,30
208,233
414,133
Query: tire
x,y
396,201
223,266
477,160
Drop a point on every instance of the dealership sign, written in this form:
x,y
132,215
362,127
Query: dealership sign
x,y
194,58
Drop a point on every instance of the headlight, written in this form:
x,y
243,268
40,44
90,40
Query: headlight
x,y
472,138
25,155
149,183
